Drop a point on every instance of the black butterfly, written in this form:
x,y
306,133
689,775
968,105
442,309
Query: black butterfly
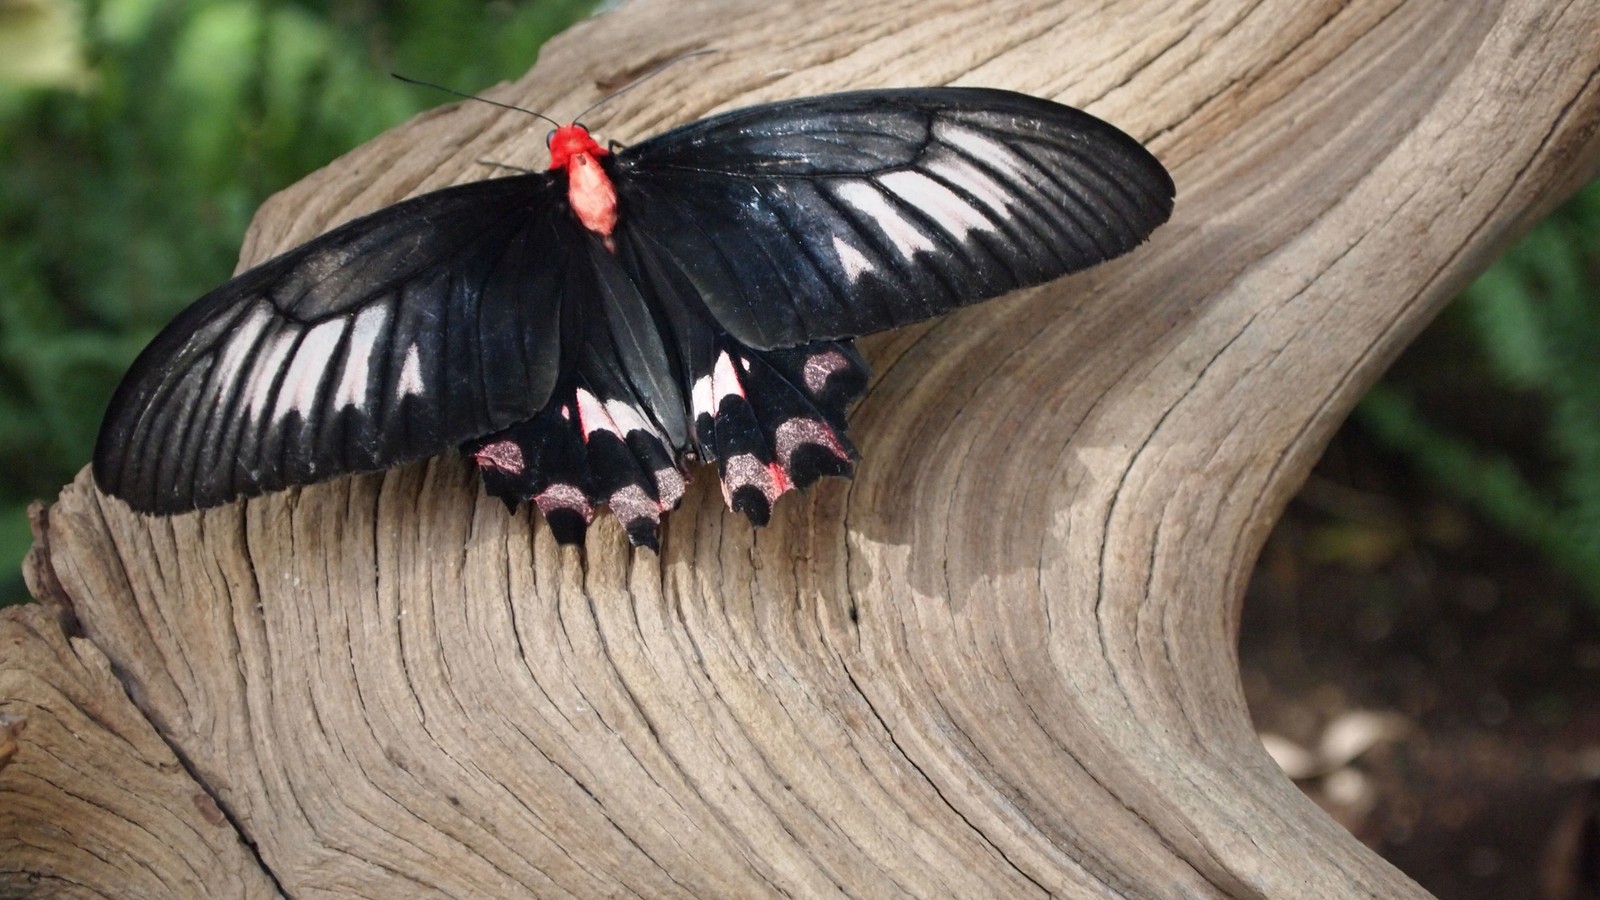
x,y
579,332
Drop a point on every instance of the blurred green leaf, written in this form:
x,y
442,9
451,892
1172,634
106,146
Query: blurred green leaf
x,y
1535,317
40,45
16,536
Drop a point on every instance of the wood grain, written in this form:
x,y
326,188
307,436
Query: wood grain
x,y
92,801
1001,661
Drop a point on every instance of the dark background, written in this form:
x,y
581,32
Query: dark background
x,y
1421,640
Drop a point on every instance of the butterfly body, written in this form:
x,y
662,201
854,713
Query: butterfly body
x,y
581,332
589,190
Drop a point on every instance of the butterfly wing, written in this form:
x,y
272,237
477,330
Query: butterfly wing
x,y
841,215
394,337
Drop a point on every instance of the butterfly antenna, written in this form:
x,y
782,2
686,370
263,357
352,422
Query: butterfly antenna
x,y
642,79
465,96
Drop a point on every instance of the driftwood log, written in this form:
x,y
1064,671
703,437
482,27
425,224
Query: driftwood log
x,y
999,663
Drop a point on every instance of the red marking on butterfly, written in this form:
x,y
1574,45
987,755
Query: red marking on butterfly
x,y
503,455
589,189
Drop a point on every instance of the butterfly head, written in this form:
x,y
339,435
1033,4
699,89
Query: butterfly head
x,y
570,141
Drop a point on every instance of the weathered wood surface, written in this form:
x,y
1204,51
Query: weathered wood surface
x,y
999,663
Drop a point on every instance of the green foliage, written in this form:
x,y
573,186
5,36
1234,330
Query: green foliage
x,y
1535,319
135,145
39,44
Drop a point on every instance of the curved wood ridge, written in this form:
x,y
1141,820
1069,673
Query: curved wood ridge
x,y
1000,662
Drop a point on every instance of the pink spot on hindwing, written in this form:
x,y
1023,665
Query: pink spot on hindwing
x,y
795,432
670,487
725,379
630,503
505,456
821,366
745,470
592,416
564,496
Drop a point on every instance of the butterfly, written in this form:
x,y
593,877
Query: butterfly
x,y
583,333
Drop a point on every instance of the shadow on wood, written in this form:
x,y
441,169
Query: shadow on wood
x,y
1000,662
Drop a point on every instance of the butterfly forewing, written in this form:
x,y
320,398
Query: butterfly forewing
x,y
847,214
394,337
